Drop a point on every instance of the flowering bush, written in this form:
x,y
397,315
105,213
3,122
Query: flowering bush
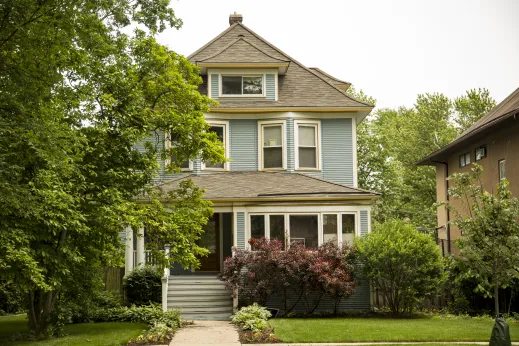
x,y
296,274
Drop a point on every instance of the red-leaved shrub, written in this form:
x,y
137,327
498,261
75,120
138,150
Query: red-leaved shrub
x,y
296,274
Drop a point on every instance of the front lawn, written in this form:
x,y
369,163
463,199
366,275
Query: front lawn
x,y
383,329
99,334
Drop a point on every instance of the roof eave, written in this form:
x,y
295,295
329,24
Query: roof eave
x,y
439,155
281,66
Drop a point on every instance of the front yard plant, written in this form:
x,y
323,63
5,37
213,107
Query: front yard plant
x,y
296,274
254,328
143,286
404,264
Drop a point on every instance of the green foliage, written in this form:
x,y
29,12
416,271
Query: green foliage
x,y
158,333
151,314
391,141
143,286
403,264
488,248
471,106
79,90
253,317
12,299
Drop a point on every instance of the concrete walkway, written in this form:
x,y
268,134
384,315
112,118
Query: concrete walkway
x,y
202,333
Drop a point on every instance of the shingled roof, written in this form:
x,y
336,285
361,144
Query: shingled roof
x,y
241,186
508,108
299,87
241,51
329,78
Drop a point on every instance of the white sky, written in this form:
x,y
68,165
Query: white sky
x,y
393,50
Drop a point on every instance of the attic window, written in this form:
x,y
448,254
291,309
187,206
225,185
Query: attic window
x,y
242,85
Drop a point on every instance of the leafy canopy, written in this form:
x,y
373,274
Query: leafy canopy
x,y
490,226
403,264
391,141
78,91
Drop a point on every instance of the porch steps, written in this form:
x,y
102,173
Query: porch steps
x,y
199,297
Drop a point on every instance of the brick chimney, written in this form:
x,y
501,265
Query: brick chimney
x,y
235,18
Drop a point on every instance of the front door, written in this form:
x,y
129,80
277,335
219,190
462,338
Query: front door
x,y
210,240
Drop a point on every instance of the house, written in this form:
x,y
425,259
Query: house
x,y
493,143
290,132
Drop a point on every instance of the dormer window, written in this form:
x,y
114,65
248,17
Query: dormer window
x,y
233,85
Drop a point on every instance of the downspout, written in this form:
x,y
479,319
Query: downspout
x,y
448,224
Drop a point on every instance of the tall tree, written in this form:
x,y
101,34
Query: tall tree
x,y
391,141
471,107
490,232
77,93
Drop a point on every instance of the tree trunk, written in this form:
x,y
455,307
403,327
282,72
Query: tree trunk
x,y
41,306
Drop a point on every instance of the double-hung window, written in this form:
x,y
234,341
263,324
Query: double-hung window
x,y
307,144
502,169
237,85
464,160
172,145
220,128
272,144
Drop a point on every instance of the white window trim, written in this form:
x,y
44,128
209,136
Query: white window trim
x,y
320,218
317,125
220,89
167,162
283,124
226,145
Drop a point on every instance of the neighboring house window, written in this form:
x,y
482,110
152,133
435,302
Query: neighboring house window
x,y
272,145
481,152
307,144
502,169
464,159
221,130
171,143
242,85
310,230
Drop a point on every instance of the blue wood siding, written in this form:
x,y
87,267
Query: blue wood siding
x,y
243,142
240,230
364,222
270,86
337,150
214,86
290,145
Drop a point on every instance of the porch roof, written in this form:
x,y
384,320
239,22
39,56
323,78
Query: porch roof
x,y
268,185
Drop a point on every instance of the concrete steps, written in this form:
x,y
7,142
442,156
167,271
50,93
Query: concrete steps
x,y
200,297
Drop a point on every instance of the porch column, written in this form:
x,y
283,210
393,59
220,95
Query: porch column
x,y
128,251
167,249
235,291
140,248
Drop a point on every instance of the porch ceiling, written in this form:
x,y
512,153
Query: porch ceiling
x,y
268,185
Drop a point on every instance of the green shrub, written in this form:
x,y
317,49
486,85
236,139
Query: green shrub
x,y
143,286
158,333
405,265
151,314
12,299
253,318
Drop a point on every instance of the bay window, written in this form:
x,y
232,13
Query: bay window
x,y
308,229
272,145
307,144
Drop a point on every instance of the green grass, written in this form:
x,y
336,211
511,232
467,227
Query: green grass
x,y
99,334
380,329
